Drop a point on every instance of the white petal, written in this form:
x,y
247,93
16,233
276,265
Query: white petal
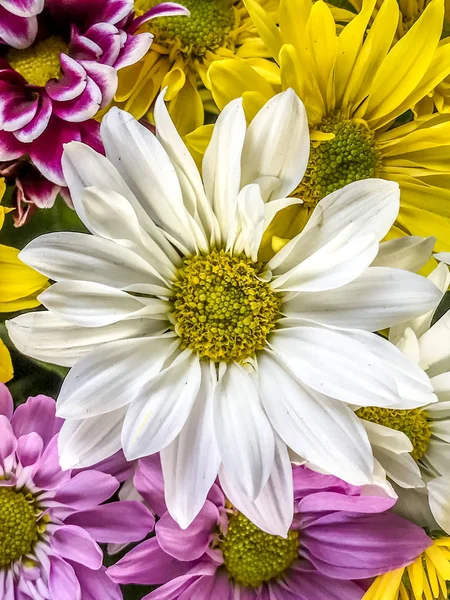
x,y
439,498
340,261
46,337
435,346
354,366
441,387
243,432
252,219
277,145
146,168
401,468
378,298
441,430
385,437
191,462
440,278
437,457
90,304
155,419
409,252
188,176
68,256
85,442
273,509
443,256
371,205
222,168
409,346
324,431
112,376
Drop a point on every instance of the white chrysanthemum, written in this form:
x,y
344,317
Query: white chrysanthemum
x,y
426,462
180,341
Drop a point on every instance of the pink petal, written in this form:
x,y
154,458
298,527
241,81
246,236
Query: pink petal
x,y
90,135
10,147
71,84
86,490
75,544
63,583
8,441
29,448
18,32
106,79
135,47
165,9
24,8
39,191
190,543
118,522
107,37
6,402
148,481
116,465
37,414
49,474
38,123
85,106
90,11
96,585
16,110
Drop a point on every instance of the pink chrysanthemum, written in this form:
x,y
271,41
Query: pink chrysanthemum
x,y
337,540
57,70
51,520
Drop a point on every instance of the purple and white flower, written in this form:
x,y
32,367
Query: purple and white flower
x,y
52,520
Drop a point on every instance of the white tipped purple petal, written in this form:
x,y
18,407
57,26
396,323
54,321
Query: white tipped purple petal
x,y
38,123
165,9
85,106
71,84
18,32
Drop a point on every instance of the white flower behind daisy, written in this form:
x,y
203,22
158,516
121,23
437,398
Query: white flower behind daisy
x,y
181,342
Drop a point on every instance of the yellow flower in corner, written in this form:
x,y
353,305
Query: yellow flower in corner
x,y
181,52
355,84
19,288
424,579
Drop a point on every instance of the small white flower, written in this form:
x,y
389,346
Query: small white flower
x,y
181,342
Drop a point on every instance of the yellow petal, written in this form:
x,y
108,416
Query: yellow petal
x,y
385,587
423,223
294,15
186,109
407,63
6,367
432,576
174,81
441,563
229,79
267,28
19,284
416,576
148,88
270,71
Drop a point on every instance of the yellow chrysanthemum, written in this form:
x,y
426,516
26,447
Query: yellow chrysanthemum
x,y
424,579
182,50
355,84
19,288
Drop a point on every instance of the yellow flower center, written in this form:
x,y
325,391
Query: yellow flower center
x,y
18,527
413,423
349,156
252,557
40,62
206,29
222,310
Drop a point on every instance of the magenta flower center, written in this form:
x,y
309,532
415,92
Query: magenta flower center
x,y
18,527
40,62
252,556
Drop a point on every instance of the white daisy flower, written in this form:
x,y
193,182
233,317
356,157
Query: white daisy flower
x,y
426,463
181,342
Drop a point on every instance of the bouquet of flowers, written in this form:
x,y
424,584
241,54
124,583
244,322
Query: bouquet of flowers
x,y
225,332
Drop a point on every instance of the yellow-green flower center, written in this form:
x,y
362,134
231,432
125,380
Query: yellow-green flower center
x,y
222,310
18,527
252,557
349,156
206,29
40,62
413,423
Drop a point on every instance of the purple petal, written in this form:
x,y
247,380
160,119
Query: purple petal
x,y
29,448
90,135
96,585
75,544
37,414
86,490
135,47
331,502
148,480
83,48
8,441
307,482
90,11
356,547
15,110
118,522
190,543
37,190
180,588
10,147
116,465
107,37
105,78
63,583
148,564
6,402
18,32
50,475
165,9
310,584
71,84
38,123
84,107
217,586
24,8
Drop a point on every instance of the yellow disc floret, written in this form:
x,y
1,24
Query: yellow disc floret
x,y
18,527
349,156
413,423
40,62
252,557
222,309
205,30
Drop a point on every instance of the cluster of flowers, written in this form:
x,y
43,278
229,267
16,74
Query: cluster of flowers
x,y
252,317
